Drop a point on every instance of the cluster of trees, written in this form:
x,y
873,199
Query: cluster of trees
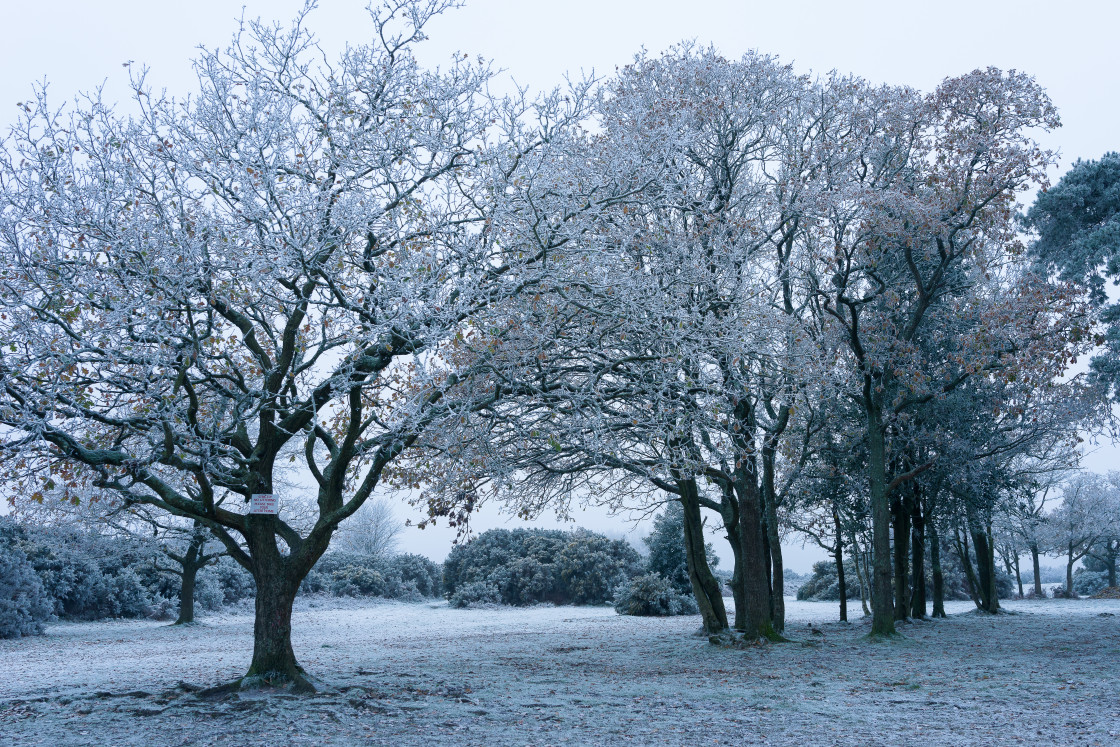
x,y
1077,519
1082,525
759,293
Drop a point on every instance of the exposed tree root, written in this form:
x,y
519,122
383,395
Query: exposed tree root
x,y
269,682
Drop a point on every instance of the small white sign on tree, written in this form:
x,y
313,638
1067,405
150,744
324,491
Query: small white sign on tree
x,y
264,503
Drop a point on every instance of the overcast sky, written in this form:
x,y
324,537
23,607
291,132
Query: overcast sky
x,y
1069,47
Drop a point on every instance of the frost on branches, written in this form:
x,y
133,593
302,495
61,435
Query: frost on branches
x,y
789,243
271,271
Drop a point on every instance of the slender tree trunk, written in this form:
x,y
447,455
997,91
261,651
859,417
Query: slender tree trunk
x,y
1112,563
838,554
1018,577
756,560
773,536
901,524
705,586
986,567
969,571
1070,560
769,573
918,559
777,574
860,576
1037,571
190,563
882,593
729,510
936,572
1113,551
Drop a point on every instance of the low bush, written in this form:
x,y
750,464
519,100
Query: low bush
x,y
417,570
476,594
823,585
1087,583
652,595
406,577
1059,592
226,574
528,566
357,581
24,603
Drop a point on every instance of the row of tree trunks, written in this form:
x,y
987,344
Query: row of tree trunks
x,y
961,544
981,577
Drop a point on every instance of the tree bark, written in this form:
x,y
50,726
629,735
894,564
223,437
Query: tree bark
x,y
1037,571
773,536
882,593
917,559
705,586
936,572
966,563
900,521
729,511
986,567
1113,551
1018,577
860,576
756,560
190,563
274,661
777,574
277,577
1070,560
838,555
186,593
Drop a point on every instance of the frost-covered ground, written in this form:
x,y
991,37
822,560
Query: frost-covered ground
x,y
427,674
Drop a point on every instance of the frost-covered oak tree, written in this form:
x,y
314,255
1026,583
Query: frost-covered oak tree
x,y
275,270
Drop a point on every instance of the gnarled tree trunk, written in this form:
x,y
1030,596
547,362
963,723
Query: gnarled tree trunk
x,y
705,585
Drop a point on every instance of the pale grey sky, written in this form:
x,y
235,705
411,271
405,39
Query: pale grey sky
x,y
1071,48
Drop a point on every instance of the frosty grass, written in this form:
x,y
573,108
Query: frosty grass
x,y
425,674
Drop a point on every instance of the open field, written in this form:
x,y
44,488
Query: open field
x,y
425,674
